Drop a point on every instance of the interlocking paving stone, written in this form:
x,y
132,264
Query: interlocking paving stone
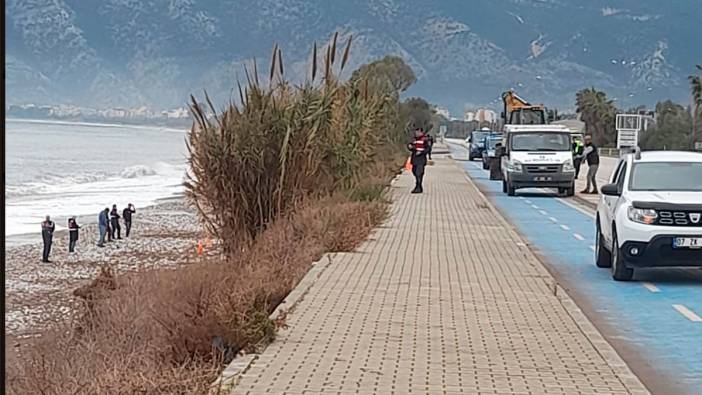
x,y
444,298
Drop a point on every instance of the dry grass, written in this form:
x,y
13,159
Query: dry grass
x,y
282,178
169,331
282,145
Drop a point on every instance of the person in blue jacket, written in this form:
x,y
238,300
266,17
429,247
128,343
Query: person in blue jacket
x,y
103,219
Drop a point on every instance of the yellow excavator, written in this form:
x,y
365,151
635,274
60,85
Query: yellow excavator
x,y
518,111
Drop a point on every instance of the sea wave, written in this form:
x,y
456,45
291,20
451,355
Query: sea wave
x,y
137,171
52,182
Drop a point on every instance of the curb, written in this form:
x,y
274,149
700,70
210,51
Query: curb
x,y
228,379
599,343
614,361
585,202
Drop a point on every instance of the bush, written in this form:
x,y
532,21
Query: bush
x,y
169,331
260,159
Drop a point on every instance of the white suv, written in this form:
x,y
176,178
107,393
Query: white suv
x,y
651,213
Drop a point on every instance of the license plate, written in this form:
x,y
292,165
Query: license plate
x,y
687,242
542,178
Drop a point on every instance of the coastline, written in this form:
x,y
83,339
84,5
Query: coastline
x,y
37,294
102,124
23,239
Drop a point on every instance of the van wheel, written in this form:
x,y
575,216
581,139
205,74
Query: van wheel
x,y
570,192
510,189
603,258
619,270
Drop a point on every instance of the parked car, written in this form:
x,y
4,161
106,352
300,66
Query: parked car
x,y
651,213
489,153
476,144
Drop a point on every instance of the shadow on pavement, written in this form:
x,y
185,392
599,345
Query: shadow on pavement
x,y
678,276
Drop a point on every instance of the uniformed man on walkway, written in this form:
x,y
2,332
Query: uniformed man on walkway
x,y
419,147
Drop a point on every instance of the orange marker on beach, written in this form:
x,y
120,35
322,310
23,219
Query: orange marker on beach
x,y
199,247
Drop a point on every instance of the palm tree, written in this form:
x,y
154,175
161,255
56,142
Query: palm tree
x,y
696,82
598,113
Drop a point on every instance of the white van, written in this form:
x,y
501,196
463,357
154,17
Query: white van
x,y
537,156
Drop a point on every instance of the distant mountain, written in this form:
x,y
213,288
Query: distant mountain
x,y
156,52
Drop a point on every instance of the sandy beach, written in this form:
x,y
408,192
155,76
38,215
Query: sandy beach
x,y
37,294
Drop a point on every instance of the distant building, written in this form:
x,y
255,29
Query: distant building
x,y
485,115
444,112
480,115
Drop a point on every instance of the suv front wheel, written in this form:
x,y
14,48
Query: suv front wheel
x,y
603,258
619,270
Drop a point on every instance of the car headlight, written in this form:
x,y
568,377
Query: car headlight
x,y
514,166
642,215
568,166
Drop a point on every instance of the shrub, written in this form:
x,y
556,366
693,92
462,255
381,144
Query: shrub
x,y
169,331
280,145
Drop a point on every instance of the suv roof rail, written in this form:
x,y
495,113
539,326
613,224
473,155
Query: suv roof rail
x,y
635,151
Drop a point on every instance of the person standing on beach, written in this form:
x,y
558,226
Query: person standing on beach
x,y
72,234
103,225
127,216
47,234
114,218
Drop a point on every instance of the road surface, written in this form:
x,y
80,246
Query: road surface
x,y
653,322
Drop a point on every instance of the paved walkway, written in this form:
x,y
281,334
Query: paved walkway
x,y
444,299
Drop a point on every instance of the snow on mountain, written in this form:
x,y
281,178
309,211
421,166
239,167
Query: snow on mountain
x,y
157,52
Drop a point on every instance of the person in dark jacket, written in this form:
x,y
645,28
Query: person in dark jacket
x,y
127,216
592,156
578,150
419,148
114,221
103,225
47,235
430,141
72,234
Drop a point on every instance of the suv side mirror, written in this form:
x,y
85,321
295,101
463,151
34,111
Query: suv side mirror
x,y
611,190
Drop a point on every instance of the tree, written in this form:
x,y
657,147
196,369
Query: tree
x,y
390,74
672,131
418,113
696,84
599,115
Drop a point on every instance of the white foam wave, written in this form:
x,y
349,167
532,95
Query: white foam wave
x,y
137,171
52,183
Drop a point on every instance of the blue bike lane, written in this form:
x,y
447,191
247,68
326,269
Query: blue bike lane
x,y
654,319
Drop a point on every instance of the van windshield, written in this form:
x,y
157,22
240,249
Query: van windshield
x,y
540,141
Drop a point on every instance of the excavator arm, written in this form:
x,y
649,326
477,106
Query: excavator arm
x,y
518,111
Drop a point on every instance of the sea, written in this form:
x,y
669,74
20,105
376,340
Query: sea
x,y
63,169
